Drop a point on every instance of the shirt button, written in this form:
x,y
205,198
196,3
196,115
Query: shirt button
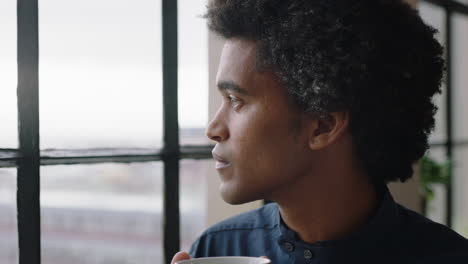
x,y
288,246
308,254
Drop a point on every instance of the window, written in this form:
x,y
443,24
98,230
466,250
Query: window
x,y
100,74
450,140
119,181
8,223
8,75
102,213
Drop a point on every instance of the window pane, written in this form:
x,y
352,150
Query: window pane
x,y
463,1
460,185
193,199
8,75
435,16
106,213
460,76
8,224
100,73
193,72
437,208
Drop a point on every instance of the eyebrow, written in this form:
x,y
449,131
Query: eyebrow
x,y
232,87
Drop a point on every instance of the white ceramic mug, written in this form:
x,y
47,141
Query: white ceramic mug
x,y
226,260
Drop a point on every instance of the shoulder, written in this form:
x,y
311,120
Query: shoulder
x,y
430,237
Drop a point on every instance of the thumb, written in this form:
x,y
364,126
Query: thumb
x,y
179,256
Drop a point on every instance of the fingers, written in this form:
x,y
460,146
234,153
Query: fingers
x,y
179,256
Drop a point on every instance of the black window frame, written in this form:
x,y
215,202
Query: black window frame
x,y
28,157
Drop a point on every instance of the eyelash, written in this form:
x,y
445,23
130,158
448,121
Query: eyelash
x,y
234,101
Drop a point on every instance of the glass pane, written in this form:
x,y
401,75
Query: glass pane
x,y
8,75
8,223
193,72
100,73
460,185
437,207
106,213
463,1
193,199
460,76
435,16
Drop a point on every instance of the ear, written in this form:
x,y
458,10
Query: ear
x,y
325,131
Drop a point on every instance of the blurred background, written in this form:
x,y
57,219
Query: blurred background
x,y
100,79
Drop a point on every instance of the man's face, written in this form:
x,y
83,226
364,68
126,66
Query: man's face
x,y
261,146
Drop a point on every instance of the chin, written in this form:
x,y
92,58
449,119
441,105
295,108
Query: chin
x,y
232,195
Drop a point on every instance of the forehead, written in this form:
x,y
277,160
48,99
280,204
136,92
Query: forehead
x,y
237,61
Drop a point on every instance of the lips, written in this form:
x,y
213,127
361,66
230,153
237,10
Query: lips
x,y
221,162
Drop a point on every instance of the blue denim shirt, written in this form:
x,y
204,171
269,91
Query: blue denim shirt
x,y
393,235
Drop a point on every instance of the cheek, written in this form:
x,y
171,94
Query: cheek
x,y
263,145
253,134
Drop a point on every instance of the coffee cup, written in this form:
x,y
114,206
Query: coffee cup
x,y
226,260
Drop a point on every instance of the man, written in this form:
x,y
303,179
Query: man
x,y
324,102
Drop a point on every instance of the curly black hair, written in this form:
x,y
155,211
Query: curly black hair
x,y
375,59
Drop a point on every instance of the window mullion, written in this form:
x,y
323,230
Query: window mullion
x,y
29,235
171,217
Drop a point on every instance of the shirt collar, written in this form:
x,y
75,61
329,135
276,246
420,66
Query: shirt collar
x,y
383,221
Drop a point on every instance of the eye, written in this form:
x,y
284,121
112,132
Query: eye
x,y
234,101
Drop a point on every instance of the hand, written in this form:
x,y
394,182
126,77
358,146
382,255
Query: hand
x,y
179,256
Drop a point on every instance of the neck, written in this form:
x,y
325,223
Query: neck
x,y
330,210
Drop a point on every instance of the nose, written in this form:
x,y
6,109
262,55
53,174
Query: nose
x,y
217,129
